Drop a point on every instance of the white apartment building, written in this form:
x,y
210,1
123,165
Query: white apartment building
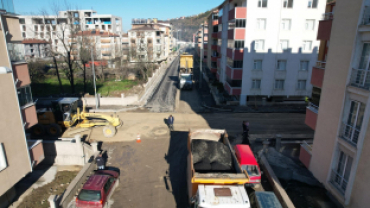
x,y
50,27
266,48
149,40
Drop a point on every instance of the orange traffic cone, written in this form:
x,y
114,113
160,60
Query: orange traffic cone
x,y
138,140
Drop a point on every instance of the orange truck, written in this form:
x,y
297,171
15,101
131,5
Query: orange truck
x,y
212,161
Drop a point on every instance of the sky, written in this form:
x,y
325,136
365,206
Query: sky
x,y
126,9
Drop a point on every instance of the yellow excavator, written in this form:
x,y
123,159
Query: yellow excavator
x,y
55,114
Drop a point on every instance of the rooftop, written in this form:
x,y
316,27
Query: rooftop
x,y
33,41
97,33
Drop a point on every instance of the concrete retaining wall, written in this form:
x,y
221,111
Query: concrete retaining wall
x,y
274,181
121,101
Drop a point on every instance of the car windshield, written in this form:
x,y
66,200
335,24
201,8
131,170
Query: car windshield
x,y
89,195
187,77
252,170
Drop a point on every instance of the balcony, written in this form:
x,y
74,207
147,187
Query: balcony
x,y
218,75
214,22
214,35
325,27
36,151
338,181
220,20
235,54
236,34
349,133
311,116
21,73
205,46
218,49
238,13
29,115
318,72
234,73
219,35
214,47
232,90
214,58
213,70
205,60
360,78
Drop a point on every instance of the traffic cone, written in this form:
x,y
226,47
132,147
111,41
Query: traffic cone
x,y
138,140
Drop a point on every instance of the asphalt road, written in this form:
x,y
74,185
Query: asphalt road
x,y
164,96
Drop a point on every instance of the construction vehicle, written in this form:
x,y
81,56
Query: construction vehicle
x,y
212,161
55,114
186,71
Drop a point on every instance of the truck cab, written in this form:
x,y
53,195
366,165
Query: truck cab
x,y
248,163
221,196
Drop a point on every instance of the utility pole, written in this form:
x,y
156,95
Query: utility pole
x,y
93,71
201,59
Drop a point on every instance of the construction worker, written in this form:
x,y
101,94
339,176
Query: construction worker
x,y
100,162
170,121
245,132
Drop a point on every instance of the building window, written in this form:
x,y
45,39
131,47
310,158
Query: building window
x,y
3,163
340,175
24,95
158,33
285,24
259,44
257,65
288,4
281,65
261,24
31,50
279,84
352,127
240,23
262,3
256,84
239,44
234,64
304,65
307,45
312,3
23,34
310,24
284,44
301,85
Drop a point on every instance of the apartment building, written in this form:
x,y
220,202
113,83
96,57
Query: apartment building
x,y
17,107
35,48
339,156
54,28
150,40
272,56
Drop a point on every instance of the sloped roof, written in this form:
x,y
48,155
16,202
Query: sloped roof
x,y
142,28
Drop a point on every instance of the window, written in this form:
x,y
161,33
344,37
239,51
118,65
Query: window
x,y
352,126
365,56
215,28
257,65
31,50
234,64
23,34
261,24
158,41
220,12
301,85
259,44
239,44
262,3
310,24
312,3
256,84
304,65
3,163
284,44
342,171
279,84
288,4
281,65
285,24
240,23
307,45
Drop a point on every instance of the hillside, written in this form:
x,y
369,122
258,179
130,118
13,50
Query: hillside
x,y
188,25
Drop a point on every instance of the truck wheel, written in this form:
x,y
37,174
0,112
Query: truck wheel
x,y
109,131
54,130
38,130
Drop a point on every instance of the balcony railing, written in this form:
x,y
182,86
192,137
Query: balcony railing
x,y
320,64
338,182
314,108
360,78
327,16
366,19
349,133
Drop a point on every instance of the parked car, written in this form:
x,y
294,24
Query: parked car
x,y
248,163
264,199
97,189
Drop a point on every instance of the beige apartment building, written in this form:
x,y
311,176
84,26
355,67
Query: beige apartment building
x,y
339,156
17,109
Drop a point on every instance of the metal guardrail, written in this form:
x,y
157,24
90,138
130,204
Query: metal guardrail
x,y
313,107
338,181
360,78
320,64
349,134
327,16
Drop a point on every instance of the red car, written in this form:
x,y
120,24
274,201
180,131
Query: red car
x,y
248,162
97,189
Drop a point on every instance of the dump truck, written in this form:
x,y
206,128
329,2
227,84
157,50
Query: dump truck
x,y
55,114
212,161
186,71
